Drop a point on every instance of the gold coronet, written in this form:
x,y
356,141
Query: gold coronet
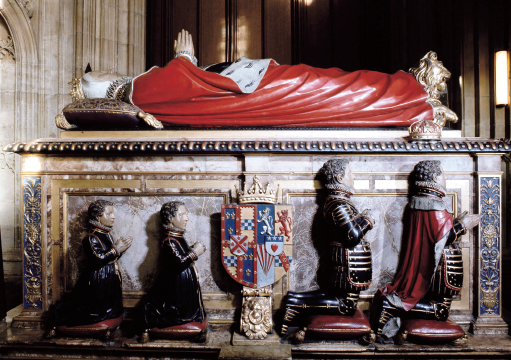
x,y
257,193
425,130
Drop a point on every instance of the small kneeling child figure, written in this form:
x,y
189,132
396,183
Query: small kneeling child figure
x,y
95,304
431,266
173,308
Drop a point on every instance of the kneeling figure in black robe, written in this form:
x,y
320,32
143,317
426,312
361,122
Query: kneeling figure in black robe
x,y
175,297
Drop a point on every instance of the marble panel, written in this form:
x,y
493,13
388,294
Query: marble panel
x,y
138,217
279,164
396,163
143,164
309,233
488,162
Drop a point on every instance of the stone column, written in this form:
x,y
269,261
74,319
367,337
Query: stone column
x,y
110,34
488,293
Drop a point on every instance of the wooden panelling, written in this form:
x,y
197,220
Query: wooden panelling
x,y
469,72
249,37
385,36
483,17
498,29
212,32
185,16
318,33
158,28
277,31
346,34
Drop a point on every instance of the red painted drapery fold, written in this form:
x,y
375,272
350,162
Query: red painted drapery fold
x,y
288,95
417,264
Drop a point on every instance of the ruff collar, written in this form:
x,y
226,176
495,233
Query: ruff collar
x,y
430,188
340,189
173,231
100,227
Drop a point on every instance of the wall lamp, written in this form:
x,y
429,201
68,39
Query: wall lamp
x,y
501,78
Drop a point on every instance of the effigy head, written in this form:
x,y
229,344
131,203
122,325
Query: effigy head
x,y
432,74
337,175
173,215
98,213
97,208
430,175
100,84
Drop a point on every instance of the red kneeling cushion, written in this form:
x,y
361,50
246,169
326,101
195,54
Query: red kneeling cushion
x,y
184,331
338,327
90,330
432,331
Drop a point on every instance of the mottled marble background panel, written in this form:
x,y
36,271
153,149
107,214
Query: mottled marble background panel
x,y
138,217
310,245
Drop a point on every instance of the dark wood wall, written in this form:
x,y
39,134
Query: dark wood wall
x,y
351,34
222,30
379,35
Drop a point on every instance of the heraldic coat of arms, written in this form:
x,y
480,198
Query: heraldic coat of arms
x,y
257,250
257,242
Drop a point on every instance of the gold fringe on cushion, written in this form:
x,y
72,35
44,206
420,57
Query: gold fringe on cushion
x,y
150,120
61,122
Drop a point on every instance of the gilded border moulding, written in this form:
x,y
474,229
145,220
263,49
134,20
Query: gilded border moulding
x,y
489,246
152,147
32,268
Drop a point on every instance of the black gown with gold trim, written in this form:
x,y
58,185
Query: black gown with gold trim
x,y
175,297
97,295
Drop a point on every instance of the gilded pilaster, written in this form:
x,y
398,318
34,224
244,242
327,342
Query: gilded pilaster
x,y
489,298
32,244
488,293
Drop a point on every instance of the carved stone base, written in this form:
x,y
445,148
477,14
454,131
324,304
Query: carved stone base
x,y
256,312
241,340
228,352
490,326
29,320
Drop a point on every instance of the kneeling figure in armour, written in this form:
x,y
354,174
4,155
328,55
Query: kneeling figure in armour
x,y
350,252
431,266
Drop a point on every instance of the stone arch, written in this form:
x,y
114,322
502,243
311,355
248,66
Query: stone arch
x,y
16,14
17,18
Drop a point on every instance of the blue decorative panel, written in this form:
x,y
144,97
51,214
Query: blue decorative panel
x,y
32,269
489,246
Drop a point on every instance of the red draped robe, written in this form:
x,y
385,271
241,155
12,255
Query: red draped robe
x,y
417,266
288,95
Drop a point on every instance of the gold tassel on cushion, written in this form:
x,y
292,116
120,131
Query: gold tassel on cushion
x,y
150,120
61,122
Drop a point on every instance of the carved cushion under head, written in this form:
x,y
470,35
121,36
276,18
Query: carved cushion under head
x,y
101,114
